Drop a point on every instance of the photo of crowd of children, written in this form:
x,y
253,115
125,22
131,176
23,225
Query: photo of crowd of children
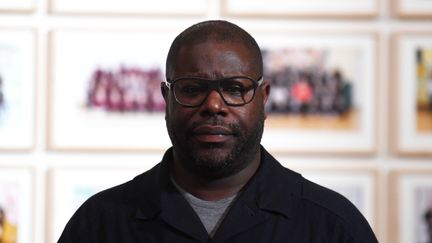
x,y
126,89
312,85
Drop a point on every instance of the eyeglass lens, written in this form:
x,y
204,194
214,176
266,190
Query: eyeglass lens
x,y
234,91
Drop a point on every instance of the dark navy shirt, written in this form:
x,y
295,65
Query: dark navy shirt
x,y
276,205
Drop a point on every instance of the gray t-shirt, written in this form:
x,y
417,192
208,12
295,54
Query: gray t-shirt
x,y
211,213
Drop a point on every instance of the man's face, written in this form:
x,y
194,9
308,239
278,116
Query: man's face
x,y
215,140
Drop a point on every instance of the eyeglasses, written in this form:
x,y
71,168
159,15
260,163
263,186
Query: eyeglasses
x,y
193,91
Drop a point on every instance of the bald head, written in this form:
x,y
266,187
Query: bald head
x,y
218,31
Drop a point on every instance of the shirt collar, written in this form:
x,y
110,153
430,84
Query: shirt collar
x,y
278,189
273,188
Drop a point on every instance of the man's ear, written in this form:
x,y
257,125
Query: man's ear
x,y
264,89
164,91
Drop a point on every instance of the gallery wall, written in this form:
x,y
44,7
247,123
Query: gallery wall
x,y
349,106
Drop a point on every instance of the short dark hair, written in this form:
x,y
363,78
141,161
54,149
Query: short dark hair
x,y
213,30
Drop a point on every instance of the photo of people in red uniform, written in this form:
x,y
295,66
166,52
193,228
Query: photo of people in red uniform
x,y
126,89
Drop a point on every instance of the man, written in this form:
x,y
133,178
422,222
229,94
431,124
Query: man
x,y
217,184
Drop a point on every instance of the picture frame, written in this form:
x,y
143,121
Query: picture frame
x,y
412,9
302,9
106,92
301,67
129,7
411,209
19,6
17,89
69,188
359,184
16,197
411,130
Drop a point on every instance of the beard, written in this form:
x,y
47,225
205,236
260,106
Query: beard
x,y
215,161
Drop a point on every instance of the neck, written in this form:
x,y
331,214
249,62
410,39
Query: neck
x,y
214,189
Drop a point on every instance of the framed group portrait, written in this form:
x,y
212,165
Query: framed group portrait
x,y
17,89
420,9
302,8
128,7
323,91
69,188
104,90
16,211
411,93
410,214
17,5
360,185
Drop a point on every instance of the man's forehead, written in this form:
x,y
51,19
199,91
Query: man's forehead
x,y
217,56
209,50
215,45
226,44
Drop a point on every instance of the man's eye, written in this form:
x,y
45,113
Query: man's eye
x,y
233,88
192,89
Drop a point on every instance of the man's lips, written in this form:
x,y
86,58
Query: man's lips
x,y
212,133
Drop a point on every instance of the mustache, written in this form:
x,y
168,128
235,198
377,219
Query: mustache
x,y
233,127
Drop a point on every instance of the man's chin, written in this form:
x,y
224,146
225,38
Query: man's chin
x,y
212,162
221,149
212,156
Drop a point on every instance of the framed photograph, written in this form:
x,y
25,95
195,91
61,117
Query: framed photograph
x,y
410,213
323,93
105,90
360,185
128,7
16,212
17,5
302,8
411,96
17,89
71,187
421,9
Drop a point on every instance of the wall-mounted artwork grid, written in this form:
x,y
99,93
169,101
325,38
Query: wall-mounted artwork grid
x,y
416,9
410,215
359,185
105,87
135,7
16,197
17,89
411,101
323,94
71,187
301,8
12,6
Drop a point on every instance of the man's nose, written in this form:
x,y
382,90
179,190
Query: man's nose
x,y
213,104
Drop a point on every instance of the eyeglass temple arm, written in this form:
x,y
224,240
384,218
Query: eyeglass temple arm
x,y
260,81
168,84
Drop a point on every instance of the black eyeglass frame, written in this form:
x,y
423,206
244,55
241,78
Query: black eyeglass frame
x,y
214,84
